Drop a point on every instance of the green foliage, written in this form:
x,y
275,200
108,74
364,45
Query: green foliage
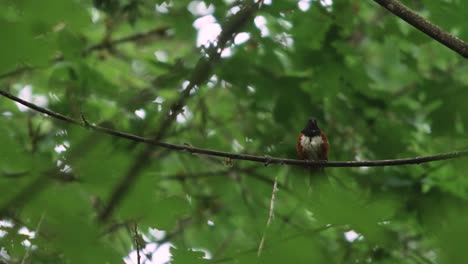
x,y
187,256
379,88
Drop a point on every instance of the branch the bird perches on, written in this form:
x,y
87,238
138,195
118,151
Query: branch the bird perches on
x,y
267,160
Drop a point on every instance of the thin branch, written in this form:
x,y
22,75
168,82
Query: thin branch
x,y
425,26
270,216
29,248
266,160
263,178
136,238
159,31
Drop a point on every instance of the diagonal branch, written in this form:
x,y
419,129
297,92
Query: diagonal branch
x,y
425,26
200,74
266,160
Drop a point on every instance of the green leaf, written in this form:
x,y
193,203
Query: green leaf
x,y
187,256
70,44
36,49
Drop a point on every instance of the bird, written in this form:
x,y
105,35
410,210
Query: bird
x,y
312,144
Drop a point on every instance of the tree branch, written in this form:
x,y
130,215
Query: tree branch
x,y
136,238
158,31
425,26
200,74
109,44
266,160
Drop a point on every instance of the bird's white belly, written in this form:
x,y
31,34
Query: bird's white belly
x,y
311,146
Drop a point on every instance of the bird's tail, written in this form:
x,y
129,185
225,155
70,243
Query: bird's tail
x,y
316,173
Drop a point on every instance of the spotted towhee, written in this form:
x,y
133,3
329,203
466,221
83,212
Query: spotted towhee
x,y
312,144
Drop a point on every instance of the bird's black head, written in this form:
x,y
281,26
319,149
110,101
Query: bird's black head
x,y
311,129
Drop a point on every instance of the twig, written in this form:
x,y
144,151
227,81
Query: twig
x,y
36,231
258,176
159,31
137,242
267,160
270,216
425,26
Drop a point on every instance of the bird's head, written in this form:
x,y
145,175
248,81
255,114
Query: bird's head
x,y
311,129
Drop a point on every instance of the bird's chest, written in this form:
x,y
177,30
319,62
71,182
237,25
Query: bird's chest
x,y
312,146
